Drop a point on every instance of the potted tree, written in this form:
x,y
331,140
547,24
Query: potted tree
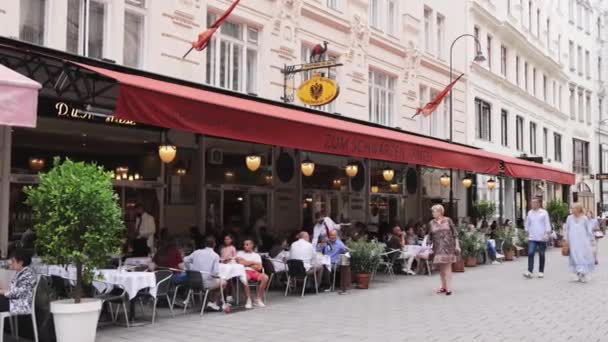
x,y
506,234
558,211
77,222
364,257
484,209
458,266
469,249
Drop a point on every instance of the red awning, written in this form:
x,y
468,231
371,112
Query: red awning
x,y
171,105
519,168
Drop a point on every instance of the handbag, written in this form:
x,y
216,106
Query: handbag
x,y
598,234
565,249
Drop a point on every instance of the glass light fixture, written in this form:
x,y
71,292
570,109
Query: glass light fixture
x,y
229,174
253,162
352,169
394,186
180,171
307,167
337,182
136,176
491,183
167,153
36,164
444,180
130,178
388,174
467,181
375,189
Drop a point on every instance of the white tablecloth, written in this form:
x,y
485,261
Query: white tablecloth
x,y
5,278
233,270
138,261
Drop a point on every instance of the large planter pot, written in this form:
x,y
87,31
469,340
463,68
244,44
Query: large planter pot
x,y
509,255
76,322
362,280
458,266
471,261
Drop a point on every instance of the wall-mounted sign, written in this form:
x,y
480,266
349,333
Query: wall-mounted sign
x,y
318,91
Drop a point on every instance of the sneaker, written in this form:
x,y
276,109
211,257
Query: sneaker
x,y
230,299
528,275
583,278
260,304
495,262
248,305
213,306
541,275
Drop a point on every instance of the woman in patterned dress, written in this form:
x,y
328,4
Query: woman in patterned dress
x,y
445,246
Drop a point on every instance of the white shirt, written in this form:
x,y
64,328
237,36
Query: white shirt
x,y
146,229
538,225
320,229
251,257
303,250
204,260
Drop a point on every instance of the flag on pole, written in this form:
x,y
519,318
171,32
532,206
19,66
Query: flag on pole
x,y
205,37
435,102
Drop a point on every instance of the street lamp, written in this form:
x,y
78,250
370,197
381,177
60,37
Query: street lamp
x,y
479,57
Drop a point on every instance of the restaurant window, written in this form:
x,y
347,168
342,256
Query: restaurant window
x,y
580,156
133,38
232,57
517,73
545,143
330,73
32,21
484,120
91,40
504,128
557,147
532,138
183,185
587,64
440,35
572,104
489,51
571,55
503,60
428,17
381,98
519,133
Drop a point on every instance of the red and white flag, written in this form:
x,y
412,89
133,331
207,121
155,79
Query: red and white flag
x,y
436,101
204,37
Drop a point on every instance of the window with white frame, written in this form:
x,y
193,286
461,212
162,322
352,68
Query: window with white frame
x,y
423,99
333,4
571,11
548,34
91,40
503,60
504,128
519,133
579,56
538,23
598,25
559,98
587,64
534,82
557,147
32,17
331,73
600,107
381,98
440,36
588,108
384,15
232,57
438,120
571,55
530,16
508,6
526,76
517,73
428,29
134,34
489,51
483,122
559,48
532,138
587,20
572,104
599,68
545,142
554,97
545,88
581,106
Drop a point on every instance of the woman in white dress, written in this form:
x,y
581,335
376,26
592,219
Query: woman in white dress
x,y
579,236
595,228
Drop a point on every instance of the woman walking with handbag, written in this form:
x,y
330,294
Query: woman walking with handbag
x,y
446,247
580,239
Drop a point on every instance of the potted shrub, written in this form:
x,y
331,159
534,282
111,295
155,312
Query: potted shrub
x,y
458,266
558,211
77,222
508,246
364,258
481,248
484,209
469,249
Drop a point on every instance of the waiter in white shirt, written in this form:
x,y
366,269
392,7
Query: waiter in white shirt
x,y
324,224
538,226
145,226
303,250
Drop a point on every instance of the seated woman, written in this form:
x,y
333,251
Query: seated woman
x,y
17,299
228,251
170,256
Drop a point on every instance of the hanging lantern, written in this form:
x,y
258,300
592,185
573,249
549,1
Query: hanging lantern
x,y
167,153
388,174
268,179
444,180
122,171
229,174
130,178
352,169
394,186
180,171
136,176
36,164
337,183
467,181
375,189
308,167
253,162
491,183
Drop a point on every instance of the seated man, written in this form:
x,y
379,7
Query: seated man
x,y
253,267
334,247
279,254
408,253
303,250
207,262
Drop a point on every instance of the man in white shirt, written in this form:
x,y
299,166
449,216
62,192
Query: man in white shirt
x,y
145,226
303,250
324,224
253,268
538,226
207,262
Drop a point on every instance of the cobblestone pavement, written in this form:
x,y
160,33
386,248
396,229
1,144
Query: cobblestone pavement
x,y
490,303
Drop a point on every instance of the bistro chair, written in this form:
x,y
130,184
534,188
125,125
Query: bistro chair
x,y
196,287
14,321
296,271
387,261
163,288
270,271
116,294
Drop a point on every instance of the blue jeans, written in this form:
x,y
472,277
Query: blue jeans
x,y
532,247
491,250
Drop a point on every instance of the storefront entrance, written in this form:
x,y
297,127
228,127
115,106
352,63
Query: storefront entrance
x,y
238,208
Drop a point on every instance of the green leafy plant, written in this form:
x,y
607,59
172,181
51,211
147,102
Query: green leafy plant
x,y
558,211
522,238
77,219
365,255
507,234
471,244
484,209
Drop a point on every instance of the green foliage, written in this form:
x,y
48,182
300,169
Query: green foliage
x,y
472,244
77,219
507,234
558,211
365,255
522,238
484,209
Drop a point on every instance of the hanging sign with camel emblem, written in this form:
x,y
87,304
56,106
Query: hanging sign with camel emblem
x,y
316,88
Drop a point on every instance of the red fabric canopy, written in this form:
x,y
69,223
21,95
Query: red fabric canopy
x,y
171,105
519,168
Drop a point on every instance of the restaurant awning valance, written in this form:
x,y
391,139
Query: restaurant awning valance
x,y
18,99
151,101
519,168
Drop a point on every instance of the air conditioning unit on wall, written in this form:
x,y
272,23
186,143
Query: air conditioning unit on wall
x,y
215,156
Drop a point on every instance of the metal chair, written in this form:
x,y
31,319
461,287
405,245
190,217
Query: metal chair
x,y
295,271
387,261
163,287
13,318
270,271
115,295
